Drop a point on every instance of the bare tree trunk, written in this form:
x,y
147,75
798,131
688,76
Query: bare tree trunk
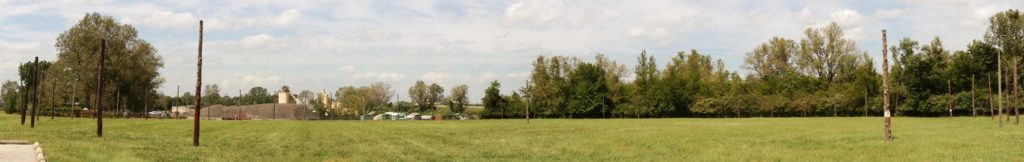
x,y
199,84
974,110
949,100
885,88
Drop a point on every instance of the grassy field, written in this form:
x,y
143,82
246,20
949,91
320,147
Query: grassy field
x,y
747,139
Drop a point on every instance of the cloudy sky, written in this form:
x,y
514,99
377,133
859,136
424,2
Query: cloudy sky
x,y
314,45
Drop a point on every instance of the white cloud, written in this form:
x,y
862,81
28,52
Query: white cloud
x,y
384,76
437,77
890,13
167,19
644,33
260,80
846,17
73,17
487,77
257,40
347,69
534,12
518,76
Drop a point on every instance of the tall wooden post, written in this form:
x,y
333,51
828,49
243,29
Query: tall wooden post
x,y
273,115
999,86
199,84
35,91
949,100
991,102
885,87
974,110
1016,92
239,100
53,99
528,102
74,97
145,105
24,100
866,102
99,88
1009,95
177,95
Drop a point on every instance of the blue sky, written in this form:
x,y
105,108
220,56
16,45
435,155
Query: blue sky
x,y
315,45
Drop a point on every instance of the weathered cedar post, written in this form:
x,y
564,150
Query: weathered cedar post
x,y
885,88
35,90
199,84
99,88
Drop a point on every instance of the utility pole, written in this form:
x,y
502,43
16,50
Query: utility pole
x,y
99,88
199,85
885,87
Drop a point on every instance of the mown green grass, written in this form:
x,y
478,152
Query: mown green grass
x,y
746,139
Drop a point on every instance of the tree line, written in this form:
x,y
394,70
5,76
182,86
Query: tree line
x,y
821,74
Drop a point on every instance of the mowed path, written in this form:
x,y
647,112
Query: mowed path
x,y
745,139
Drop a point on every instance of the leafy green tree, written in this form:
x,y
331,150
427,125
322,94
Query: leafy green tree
x,y
493,102
823,50
590,95
1006,32
131,67
646,80
458,98
419,93
435,95
612,74
257,95
9,95
211,95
